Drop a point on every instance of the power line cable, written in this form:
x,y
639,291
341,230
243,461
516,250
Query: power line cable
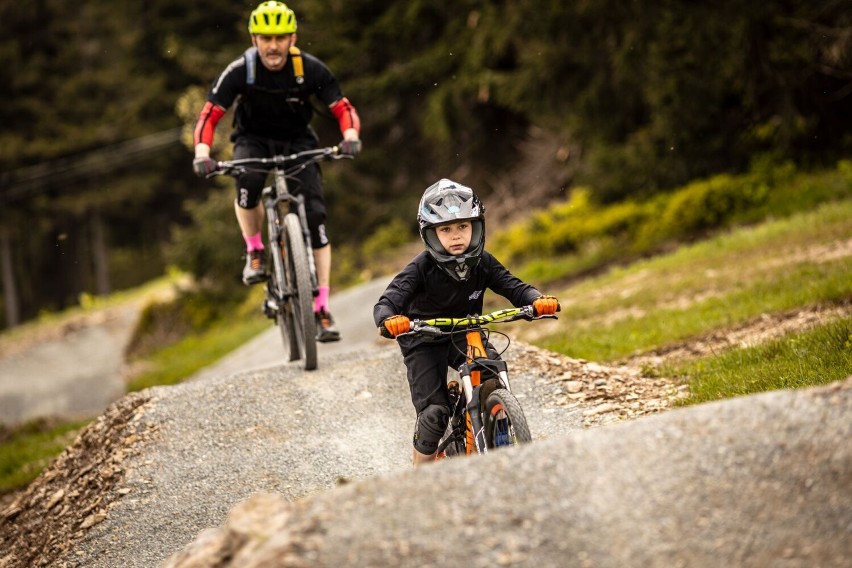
x,y
31,180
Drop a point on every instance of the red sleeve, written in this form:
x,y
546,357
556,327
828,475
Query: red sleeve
x,y
346,115
205,127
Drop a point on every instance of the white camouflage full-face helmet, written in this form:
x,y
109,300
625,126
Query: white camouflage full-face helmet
x,y
447,202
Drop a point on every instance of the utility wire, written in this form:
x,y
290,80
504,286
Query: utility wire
x,y
31,180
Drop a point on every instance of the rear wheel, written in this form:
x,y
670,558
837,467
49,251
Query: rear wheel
x,y
454,448
454,438
299,314
504,421
289,333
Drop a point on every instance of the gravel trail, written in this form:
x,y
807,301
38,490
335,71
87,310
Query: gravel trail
x,y
161,466
209,444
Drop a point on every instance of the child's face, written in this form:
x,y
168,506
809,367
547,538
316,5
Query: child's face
x,y
455,237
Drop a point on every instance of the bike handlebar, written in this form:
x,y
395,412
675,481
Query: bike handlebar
x,y
279,160
434,326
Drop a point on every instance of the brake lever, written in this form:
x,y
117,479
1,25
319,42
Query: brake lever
x,y
427,330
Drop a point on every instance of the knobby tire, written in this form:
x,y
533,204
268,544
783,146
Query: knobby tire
x,y
455,447
277,286
300,316
502,404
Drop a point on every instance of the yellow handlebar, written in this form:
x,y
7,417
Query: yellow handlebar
x,y
480,320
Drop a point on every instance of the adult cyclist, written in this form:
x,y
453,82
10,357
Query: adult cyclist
x,y
271,83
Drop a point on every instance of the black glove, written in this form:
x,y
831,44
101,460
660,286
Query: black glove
x,y
350,147
204,166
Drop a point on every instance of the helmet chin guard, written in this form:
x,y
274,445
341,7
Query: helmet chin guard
x,y
447,202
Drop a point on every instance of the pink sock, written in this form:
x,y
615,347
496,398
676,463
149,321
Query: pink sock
x,y
254,242
321,301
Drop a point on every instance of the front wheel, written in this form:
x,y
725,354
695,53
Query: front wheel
x,y
277,305
300,309
504,421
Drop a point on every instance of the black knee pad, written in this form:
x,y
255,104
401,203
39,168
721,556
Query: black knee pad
x,y
431,425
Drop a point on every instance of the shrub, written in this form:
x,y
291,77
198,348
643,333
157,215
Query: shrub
x,y
709,204
161,324
210,247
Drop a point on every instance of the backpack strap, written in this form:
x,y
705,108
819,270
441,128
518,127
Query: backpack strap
x,y
298,68
250,56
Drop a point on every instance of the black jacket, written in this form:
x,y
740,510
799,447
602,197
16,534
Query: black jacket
x,y
276,106
422,290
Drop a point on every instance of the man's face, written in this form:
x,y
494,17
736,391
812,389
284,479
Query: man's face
x,y
273,49
455,237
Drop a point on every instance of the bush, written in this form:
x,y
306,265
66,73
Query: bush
x,y
387,237
593,234
210,247
572,227
708,204
162,324
545,232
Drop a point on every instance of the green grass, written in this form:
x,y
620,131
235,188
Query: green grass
x,y
816,357
28,449
89,303
174,363
710,285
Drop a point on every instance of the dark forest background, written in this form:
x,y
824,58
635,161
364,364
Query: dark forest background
x,y
521,100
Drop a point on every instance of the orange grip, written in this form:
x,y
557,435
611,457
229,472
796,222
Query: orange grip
x,y
545,305
397,325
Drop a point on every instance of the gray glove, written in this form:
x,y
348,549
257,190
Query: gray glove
x,y
350,147
204,166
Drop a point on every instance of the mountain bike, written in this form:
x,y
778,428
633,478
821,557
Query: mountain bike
x,y
292,282
484,414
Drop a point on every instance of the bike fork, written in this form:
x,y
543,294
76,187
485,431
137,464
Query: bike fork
x,y
272,304
504,378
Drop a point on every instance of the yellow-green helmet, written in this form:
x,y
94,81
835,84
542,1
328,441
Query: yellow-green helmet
x,y
272,18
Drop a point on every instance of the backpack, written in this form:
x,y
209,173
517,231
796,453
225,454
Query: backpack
x,y
295,56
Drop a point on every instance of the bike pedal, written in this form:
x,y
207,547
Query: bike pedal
x,y
270,310
453,392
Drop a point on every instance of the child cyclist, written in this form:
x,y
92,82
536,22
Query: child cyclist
x,y
448,279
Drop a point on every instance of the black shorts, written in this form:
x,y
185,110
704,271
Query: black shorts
x,y
308,182
427,364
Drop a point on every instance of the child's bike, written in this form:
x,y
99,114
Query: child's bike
x,y
484,414
292,281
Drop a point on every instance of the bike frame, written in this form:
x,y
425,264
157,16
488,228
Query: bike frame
x,y
271,202
276,193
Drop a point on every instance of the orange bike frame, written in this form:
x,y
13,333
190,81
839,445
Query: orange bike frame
x,y
475,349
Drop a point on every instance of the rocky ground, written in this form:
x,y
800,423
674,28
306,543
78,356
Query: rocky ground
x,y
44,521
